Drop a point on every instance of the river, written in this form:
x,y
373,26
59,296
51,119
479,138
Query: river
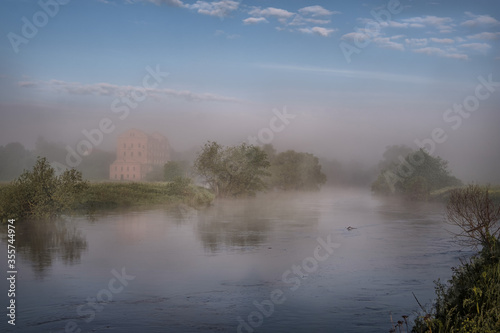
x,y
274,263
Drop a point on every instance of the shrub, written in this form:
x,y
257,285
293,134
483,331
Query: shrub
x,y
40,193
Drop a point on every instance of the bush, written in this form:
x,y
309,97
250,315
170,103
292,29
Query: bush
x,y
40,193
471,301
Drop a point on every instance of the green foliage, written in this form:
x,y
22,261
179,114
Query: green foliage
x,y
415,176
40,193
173,170
471,300
232,171
296,171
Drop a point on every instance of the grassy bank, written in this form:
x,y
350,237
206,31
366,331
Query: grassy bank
x,y
105,195
443,194
470,301
100,196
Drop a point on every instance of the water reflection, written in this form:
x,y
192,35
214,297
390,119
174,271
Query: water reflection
x,y
43,241
240,225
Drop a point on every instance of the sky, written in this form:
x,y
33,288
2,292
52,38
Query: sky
x,y
340,79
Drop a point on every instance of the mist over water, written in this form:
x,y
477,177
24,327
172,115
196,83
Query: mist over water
x,y
197,271
343,82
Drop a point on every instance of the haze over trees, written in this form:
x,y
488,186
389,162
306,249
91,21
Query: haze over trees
x,y
246,169
291,170
14,158
232,171
414,175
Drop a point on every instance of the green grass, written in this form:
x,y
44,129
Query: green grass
x,y
470,301
100,196
104,195
443,194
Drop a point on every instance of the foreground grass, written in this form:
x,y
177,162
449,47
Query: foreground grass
x,y
470,302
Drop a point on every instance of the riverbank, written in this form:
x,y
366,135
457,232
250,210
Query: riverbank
x,y
443,194
104,195
98,196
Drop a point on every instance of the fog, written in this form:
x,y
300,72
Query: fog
x,y
227,81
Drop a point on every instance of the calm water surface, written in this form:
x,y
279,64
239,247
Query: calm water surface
x,y
181,270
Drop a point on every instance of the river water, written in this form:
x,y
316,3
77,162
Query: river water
x,y
274,263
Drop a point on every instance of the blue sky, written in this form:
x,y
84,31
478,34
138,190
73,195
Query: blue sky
x,y
231,62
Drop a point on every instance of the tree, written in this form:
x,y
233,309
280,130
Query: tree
x,y
415,176
232,171
173,170
296,171
40,193
477,216
13,159
392,156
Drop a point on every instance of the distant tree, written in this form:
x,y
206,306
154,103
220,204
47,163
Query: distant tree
x,y
95,166
155,175
51,150
393,155
477,216
335,171
232,171
14,158
296,171
270,151
174,169
415,176
40,193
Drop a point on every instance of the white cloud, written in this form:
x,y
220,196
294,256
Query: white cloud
x,y
479,20
174,3
441,53
387,43
384,24
416,42
227,35
300,20
485,35
108,89
255,20
318,30
316,11
443,24
359,36
271,11
443,40
394,24
216,8
479,47
349,73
